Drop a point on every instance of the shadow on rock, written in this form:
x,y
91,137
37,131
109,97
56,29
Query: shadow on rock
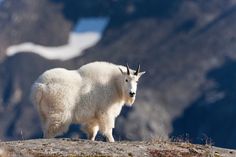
x,y
211,117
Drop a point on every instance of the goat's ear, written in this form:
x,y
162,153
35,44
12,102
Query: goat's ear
x,y
141,73
122,72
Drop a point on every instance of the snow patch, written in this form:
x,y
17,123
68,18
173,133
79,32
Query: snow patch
x,y
87,33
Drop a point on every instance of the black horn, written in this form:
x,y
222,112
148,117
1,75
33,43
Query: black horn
x,y
127,66
138,70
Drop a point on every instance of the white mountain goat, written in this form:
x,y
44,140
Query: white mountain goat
x,y
91,96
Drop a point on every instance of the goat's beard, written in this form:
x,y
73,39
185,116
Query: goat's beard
x,y
130,101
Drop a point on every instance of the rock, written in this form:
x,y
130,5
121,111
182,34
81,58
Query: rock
x,y
72,147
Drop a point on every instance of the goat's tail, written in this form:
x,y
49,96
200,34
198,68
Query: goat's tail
x,y
36,95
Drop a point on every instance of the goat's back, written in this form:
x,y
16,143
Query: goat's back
x,y
99,71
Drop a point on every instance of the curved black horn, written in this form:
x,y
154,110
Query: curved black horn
x,y
138,70
127,66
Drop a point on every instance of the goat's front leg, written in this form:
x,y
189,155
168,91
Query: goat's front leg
x,y
106,126
91,130
108,134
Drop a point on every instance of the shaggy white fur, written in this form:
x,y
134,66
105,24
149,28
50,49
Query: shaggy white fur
x,y
92,96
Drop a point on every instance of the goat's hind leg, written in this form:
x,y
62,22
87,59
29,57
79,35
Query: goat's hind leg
x,y
56,126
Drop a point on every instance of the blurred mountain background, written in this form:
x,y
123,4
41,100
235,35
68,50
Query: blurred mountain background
x,y
186,47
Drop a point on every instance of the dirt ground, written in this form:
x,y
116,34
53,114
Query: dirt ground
x,y
86,148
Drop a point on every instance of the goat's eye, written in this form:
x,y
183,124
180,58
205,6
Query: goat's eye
x,y
126,80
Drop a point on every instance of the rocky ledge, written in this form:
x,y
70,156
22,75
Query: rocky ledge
x,y
80,148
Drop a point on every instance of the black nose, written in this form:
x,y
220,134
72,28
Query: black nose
x,y
131,94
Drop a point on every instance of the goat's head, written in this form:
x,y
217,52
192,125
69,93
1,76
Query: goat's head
x,y
130,80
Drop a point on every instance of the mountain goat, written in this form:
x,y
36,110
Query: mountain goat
x,y
92,96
